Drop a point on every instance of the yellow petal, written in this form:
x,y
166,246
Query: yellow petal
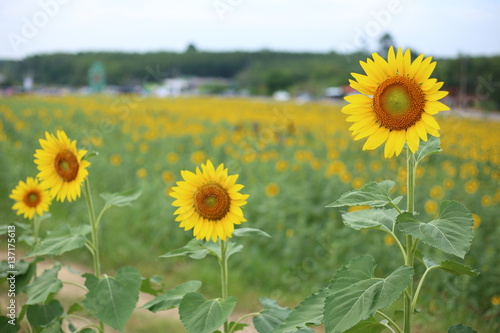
x,y
420,128
412,139
361,88
435,96
376,139
429,120
433,107
358,99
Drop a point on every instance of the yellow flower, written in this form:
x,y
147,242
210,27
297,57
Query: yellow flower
x,y
436,192
198,156
142,173
167,176
495,300
471,186
477,221
486,200
172,158
209,202
281,166
431,206
30,198
272,190
397,104
61,165
389,240
115,159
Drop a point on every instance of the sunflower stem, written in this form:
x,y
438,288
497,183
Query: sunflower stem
x,y
36,226
224,276
95,239
410,246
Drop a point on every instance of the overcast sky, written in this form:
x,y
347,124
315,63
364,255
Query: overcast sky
x,y
438,28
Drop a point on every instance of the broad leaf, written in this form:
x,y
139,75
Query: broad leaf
x,y
461,329
172,298
40,315
214,248
200,315
120,199
381,219
152,285
62,239
432,146
369,325
451,266
372,194
244,232
356,294
113,298
309,312
44,285
9,325
271,316
194,249
451,232
54,327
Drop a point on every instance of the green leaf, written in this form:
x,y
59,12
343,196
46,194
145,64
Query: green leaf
x,y
172,298
113,298
432,146
381,219
461,329
356,294
310,311
194,249
451,266
54,327
40,315
271,316
214,248
451,232
121,199
245,232
44,285
200,315
372,194
62,239
9,325
238,327
75,307
152,285
369,325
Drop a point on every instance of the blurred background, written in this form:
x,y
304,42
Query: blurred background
x,y
156,87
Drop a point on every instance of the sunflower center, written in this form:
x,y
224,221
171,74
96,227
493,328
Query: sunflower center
x,y
212,201
32,199
398,103
66,165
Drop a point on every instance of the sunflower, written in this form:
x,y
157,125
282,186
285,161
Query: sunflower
x,y
209,202
397,102
62,169
30,198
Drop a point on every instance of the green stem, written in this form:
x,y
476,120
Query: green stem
x,y
410,249
380,313
95,232
243,317
76,285
36,231
417,292
224,276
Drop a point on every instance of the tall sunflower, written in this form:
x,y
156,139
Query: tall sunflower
x,y
61,166
30,198
397,103
209,202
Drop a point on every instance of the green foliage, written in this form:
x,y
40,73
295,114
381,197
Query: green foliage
x,y
44,286
112,299
369,325
372,194
452,267
451,231
271,317
461,329
200,315
41,315
62,239
380,219
309,312
172,298
356,294
121,199
429,147
6,327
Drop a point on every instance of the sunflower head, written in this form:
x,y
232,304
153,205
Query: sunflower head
x,y
61,165
30,198
397,102
209,202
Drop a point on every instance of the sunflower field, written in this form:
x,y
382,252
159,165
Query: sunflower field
x,y
293,159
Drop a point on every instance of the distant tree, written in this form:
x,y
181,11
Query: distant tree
x,y
385,42
191,48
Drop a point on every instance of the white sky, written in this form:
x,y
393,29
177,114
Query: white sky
x,y
439,28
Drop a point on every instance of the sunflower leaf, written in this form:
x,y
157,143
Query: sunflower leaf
x,y
356,294
309,312
121,199
451,266
372,194
381,219
43,314
461,329
432,146
193,249
44,285
172,298
200,315
62,239
243,232
451,232
369,325
271,316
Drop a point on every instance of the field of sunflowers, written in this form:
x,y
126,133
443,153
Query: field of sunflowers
x,y
294,159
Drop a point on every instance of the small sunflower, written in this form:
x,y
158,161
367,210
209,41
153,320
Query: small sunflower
x,y
30,198
397,103
62,169
209,202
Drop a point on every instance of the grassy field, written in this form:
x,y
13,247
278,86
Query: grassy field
x,y
293,160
